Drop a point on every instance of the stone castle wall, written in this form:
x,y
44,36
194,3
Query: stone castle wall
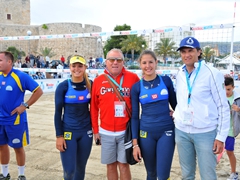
x,y
85,46
18,9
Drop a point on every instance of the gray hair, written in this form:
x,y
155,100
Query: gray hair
x,y
115,50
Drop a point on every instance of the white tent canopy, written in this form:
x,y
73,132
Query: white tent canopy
x,y
227,60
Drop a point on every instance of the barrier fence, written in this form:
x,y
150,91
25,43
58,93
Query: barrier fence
x,y
49,83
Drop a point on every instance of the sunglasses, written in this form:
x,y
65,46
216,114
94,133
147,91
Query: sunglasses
x,y
112,60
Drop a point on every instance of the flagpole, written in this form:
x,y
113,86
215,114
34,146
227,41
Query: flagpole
x,y
231,51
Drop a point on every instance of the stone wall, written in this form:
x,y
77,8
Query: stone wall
x,y
18,9
85,46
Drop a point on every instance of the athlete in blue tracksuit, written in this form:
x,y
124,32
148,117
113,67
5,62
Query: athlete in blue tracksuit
x,y
154,130
73,126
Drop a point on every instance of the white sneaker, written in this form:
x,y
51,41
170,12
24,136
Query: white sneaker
x,y
233,176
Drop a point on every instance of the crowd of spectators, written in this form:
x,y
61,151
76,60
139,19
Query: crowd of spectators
x,y
97,63
39,61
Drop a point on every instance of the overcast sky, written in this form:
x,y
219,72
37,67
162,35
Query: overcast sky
x,y
139,14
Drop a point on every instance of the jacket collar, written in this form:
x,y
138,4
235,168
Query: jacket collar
x,y
196,64
106,71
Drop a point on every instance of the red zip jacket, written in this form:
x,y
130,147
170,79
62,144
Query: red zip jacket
x,y
102,101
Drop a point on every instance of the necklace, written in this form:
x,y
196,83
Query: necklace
x,y
151,84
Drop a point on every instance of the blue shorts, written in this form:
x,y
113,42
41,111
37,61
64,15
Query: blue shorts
x,y
229,143
16,136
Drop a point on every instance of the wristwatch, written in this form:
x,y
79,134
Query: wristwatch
x,y
25,104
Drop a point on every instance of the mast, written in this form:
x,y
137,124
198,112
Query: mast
x,y
231,51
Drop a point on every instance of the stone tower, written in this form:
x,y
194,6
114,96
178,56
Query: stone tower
x,y
15,12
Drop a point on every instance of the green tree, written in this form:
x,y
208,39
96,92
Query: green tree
x,y
166,47
15,52
44,26
46,52
114,41
208,53
176,56
133,43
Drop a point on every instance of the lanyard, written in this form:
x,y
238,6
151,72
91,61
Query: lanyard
x,y
188,82
118,85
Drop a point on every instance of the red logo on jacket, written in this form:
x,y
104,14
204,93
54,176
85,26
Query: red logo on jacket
x,y
154,96
80,98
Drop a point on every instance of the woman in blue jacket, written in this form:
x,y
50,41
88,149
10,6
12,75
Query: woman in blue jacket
x,y
72,120
153,133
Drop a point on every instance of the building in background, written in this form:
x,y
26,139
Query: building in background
x,y
15,21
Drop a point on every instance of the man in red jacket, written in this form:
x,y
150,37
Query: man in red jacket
x,y
113,114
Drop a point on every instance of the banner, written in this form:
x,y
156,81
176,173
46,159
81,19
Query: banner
x,y
117,33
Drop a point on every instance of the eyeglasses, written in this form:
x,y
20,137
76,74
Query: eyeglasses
x,y
112,60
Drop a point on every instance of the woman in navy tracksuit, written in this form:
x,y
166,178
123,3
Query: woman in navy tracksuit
x,y
153,133
72,120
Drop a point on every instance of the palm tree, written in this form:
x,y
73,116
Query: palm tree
x,y
175,56
166,47
47,52
207,53
15,52
133,43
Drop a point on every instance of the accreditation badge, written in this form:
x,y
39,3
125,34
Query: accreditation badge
x,y
143,134
119,108
67,135
188,116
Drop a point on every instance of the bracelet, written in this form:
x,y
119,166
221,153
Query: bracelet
x,y
135,146
59,136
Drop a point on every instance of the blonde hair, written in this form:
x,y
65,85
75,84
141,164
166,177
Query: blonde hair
x,y
88,83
